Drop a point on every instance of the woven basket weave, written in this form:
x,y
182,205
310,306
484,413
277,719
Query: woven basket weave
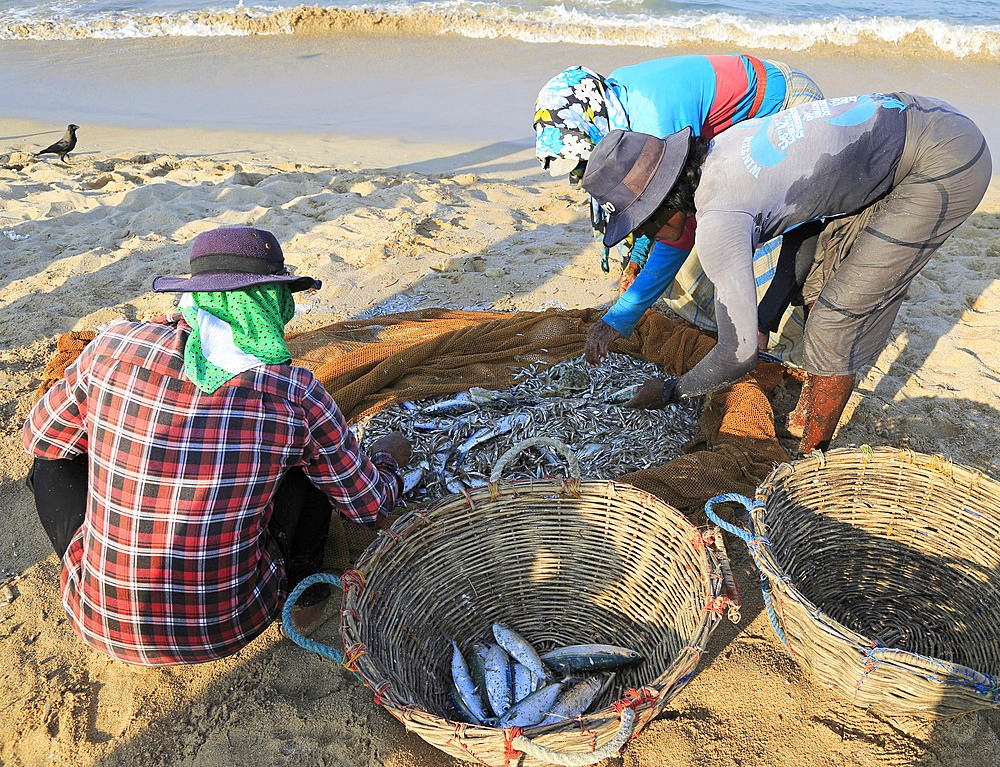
x,y
881,575
559,561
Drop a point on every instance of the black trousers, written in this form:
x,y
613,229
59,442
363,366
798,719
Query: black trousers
x,y
299,523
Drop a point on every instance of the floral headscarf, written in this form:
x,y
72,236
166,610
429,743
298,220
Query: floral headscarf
x,y
573,111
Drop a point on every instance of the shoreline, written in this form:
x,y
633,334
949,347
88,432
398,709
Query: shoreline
x,y
421,88
876,36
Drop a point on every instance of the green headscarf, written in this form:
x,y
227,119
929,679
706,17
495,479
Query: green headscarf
x,y
256,317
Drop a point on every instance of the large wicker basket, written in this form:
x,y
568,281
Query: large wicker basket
x,y
561,562
881,575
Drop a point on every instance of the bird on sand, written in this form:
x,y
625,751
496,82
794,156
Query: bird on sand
x,y
63,146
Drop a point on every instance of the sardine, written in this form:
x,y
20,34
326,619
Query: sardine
x,y
575,698
454,485
499,680
462,712
622,395
477,664
412,479
589,657
519,648
524,682
608,440
533,709
440,423
466,687
481,436
460,404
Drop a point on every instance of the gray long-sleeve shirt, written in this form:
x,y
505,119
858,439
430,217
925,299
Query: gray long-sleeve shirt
x,y
766,176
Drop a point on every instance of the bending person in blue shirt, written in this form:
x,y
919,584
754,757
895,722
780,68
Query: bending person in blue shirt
x,y
708,94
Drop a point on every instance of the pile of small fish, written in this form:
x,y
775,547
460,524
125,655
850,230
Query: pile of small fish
x,y
506,683
456,440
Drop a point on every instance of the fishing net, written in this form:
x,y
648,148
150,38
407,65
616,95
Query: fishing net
x,y
370,364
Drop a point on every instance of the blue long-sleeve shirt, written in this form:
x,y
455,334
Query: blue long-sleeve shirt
x,y
707,94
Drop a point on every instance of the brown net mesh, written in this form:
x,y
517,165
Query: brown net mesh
x,y
68,348
371,364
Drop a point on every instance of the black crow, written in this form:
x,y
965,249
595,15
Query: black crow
x,y
63,146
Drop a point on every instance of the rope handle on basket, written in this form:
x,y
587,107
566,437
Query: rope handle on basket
x,y
752,541
748,538
286,617
520,447
609,749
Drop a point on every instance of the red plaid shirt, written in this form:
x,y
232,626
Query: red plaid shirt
x,y
174,563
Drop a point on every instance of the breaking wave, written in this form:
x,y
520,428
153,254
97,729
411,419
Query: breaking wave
x,y
554,24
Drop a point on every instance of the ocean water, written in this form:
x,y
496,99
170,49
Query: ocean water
x,y
956,28
446,70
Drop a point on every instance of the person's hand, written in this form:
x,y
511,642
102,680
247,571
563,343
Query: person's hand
x,y
396,445
628,277
599,338
649,396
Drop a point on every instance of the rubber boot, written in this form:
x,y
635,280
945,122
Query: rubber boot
x,y
797,418
827,398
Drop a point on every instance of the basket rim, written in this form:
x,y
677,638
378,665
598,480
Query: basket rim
x,y
408,522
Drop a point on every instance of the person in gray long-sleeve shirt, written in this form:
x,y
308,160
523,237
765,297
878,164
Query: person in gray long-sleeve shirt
x,y
889,176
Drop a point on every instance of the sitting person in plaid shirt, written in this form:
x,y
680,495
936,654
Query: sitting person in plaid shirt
x,y
186,473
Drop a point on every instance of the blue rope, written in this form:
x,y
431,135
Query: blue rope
x,y
731,498
286,617
752,541
772,614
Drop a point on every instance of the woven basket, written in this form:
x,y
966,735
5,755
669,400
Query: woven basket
x,y
881,575
559,561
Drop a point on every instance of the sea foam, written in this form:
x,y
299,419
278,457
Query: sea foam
x,y
551,24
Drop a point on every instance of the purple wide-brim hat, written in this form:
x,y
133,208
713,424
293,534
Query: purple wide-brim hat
x,y
629,174
234,258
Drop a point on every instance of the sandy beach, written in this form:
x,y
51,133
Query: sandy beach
x,y
419,209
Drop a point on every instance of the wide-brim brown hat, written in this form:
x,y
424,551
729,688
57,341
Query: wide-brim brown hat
x,y
630,174
234,258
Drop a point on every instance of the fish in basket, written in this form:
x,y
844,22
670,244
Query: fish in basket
x,y
557,562
880,570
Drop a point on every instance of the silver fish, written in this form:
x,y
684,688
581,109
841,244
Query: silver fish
x,y
441,423
524,682
465,686
575,699
477,664
454,485
411,479
589,657
622,395
474,399
457,405
464,713
481,436
532,710
608,440
519,648
499,680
